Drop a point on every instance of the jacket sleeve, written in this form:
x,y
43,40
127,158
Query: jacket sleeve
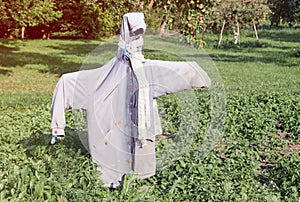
x,y
70,93
169,77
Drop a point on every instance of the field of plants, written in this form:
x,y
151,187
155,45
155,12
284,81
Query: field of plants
x,y
255,159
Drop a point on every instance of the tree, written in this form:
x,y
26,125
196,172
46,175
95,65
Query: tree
x,y
72,13
30,13
46,14
91,19
96,22
184,16
111,12
285,11
78,18
231,15
5,22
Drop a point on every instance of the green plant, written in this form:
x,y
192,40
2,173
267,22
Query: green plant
x,y
255,159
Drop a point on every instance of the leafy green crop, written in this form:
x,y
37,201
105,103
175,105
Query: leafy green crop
x,y
249,162
255,159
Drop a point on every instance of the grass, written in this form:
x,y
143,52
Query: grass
x,y
255,160
266,65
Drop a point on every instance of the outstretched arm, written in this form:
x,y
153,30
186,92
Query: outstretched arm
x,y
169,77
70,93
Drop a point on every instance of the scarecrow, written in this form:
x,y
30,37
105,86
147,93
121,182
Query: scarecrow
x,y
119,99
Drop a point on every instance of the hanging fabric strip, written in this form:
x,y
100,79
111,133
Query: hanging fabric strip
x,y
137,59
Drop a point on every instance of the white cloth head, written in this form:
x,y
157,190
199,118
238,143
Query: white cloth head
x,y
133,26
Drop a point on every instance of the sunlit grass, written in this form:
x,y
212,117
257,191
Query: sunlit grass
x,y
262,83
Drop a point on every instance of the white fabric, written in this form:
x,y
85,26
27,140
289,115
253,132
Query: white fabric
x,y
137,59
108,96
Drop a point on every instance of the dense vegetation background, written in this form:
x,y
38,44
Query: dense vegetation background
x,y
94,19
256,158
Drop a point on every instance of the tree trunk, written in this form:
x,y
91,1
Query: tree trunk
x,y
221,34
163,25
48,35
23,32
254,27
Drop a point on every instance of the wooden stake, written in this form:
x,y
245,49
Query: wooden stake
x,y
23,32
254,27
238,31
221,34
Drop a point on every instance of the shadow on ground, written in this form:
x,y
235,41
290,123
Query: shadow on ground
x,y
71,141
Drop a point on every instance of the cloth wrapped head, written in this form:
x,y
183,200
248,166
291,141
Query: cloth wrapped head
x,y
133,26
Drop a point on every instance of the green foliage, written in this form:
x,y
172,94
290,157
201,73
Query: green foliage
x,y
193,27
186,17
92,19
244,12
32,170
97,19
284,11
30,13
296,52
255,160
195,18
96,23
283,176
